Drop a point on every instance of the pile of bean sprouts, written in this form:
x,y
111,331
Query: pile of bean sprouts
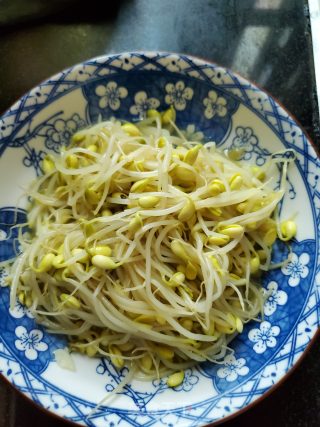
x,y
147,248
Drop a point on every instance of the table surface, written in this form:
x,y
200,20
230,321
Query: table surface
x,y
267,41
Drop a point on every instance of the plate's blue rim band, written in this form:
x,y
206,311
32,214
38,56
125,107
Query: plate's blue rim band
x,y
196,62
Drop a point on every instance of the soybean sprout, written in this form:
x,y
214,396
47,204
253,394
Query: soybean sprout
x,y
147,248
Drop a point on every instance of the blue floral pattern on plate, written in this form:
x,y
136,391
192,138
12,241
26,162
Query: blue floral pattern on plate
x,y
143,104
59,132
9,244
211,111
211,103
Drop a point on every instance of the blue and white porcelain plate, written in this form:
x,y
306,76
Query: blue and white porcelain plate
x,y
211,103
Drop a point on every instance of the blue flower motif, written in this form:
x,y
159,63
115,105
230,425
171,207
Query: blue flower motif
x,y
296,268
244,138
19,310
233,368
9,243
110,95
33,158
215,105
274,299
143,104
60,132
178,95
29,342
247,143
189,381
264,337
192,134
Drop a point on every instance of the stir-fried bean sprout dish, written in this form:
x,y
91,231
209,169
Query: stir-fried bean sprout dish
x,y
147,248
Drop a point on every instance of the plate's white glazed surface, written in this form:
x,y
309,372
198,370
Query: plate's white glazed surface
x,y
213,103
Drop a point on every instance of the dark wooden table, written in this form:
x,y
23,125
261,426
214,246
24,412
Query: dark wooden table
x,y
267,41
